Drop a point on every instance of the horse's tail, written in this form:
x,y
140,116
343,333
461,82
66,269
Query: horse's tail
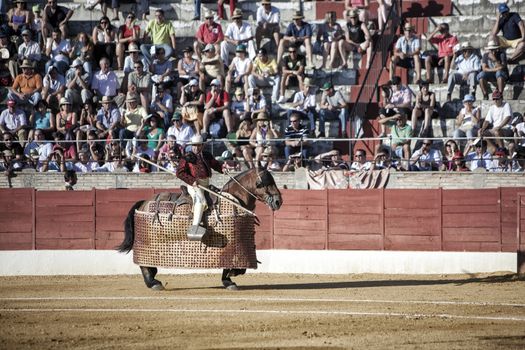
x,y
129,230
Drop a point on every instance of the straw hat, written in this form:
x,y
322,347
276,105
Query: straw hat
x,y
130,97
266,2
133,48
307,82
26,64
64,101
208,14
196,140
106,99
237,13
492,45
262,116
408,26
298,15
466,46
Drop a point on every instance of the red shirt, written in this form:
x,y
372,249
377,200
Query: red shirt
x,y
221,99
128,32
445,44
210,35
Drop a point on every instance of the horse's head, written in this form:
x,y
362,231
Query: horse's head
x,y
266,190
254,185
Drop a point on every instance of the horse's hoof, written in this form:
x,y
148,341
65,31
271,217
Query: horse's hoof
x,y
232,286
157,287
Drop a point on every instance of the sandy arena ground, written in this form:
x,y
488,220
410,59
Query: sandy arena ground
x,y
268,312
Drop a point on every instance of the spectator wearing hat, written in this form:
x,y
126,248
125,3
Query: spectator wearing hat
x,y
29,50
268,18
209,32
139,82
406,52
480,159
329,35
27,86
77,84
425,107
333,106
459,162
493,69
53,86
467,121
239,70
66,120
7,55
192,102
127,33
36,24
132,57
217,106
262,135
132,118
426,158
239,104
229,163
188,68
105,81
55,17
108,119
292,71
356,38
497,120
19,17
14,121
59,51
212,67
180,130
162,103
265,73
297,34
162,34
304,104
397,99
238,32
467,66
445,43
513,32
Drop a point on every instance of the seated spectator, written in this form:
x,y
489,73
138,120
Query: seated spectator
x,y
459,162
426,158
217,106
329,35
294,138
425,107
297,34
36,24
406,52
467,121
114,160
27,86
169,150
87,123
14,148
401,133
66,120
127,33
162,104
139,83
265,73
268,18
53,86
209,33
450,150
330,160
133,57
105,81
333,106
262,134
94,148
114,4
105,40
41,118
256,103
78,90
294,162
501,162
108,120
162,70
239,70
29,50
55,17
19,17
382,160
162,35
212,67
304,104
268,161
237,33
513,29
397,99
54,162
152,130
360,163
132,118
67,149
14,121
192,102
188,68
242,146
8,64
40,149
59,50
85,164
497,121
83,50
239,104
493,69
356,39
445,54
467,65
480,158
141,149
361,6
180,130
292,71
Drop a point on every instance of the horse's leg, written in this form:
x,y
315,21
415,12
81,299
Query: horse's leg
x,y
226,280
149,278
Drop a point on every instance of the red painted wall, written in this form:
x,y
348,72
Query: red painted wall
x,y
393,219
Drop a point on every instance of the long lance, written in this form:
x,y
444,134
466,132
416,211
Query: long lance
x,y
200,186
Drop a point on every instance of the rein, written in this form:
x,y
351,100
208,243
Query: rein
x,y
244,188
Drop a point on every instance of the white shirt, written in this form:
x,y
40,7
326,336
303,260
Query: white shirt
x,y
13,120
468,117
273,17
476,161
358,166
236,33
408,46
520,128
496,115
129,64
80,167
30,50
54,85
241,66
182,135
106,83
306,101
64,45
467,65
424,161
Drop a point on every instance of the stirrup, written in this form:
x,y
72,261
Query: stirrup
x,y
196,232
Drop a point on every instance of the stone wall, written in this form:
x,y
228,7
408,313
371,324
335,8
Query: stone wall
x,y
55,181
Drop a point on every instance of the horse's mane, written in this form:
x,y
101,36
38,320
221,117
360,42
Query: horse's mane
x,y
264,176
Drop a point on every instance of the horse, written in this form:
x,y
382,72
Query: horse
x,y
247,188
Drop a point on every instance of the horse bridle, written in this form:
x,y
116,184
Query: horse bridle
x,y
259,179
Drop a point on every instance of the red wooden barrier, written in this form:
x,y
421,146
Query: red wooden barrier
x,y
16,219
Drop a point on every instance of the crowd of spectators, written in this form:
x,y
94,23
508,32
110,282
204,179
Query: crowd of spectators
x,y
93,102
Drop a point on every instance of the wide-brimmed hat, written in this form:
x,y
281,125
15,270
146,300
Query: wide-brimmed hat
x,y
298,15
307,82
327,86
27,64
261,116
133,48
208,14
466,46
64,101
352,13
196,140
265,2
130,96
106,99
237,13
492,45
408,26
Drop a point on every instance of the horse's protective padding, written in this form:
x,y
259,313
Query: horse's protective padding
x,y
161,237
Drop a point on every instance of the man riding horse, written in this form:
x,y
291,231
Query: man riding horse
x,y
195,170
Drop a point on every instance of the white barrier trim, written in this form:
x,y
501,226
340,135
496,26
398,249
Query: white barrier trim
x,y
107,262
